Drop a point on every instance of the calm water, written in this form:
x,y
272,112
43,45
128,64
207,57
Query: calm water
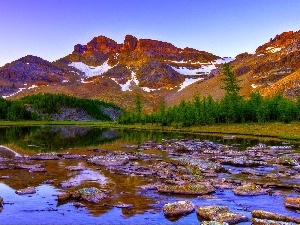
x,y
43,207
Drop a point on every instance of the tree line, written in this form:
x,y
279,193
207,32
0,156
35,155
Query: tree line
x,y
32,107
232,108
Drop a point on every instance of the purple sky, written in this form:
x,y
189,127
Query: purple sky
x,y
50,28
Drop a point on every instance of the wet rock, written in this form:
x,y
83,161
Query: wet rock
x,y
25,191
78,205
64,196
256,221
178,208
130,146
288,161
67,156
220,214
3,167
213,223
193,189
1,202
44,156
66,184
250,189
242,162
27,167
48,182
92,194
75,168
148,187
109,160
123,206
260,214
292,203
37,170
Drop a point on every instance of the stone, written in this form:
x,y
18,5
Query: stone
x,y
220,214
92,194
178,208
107,161
192,189
250,189
292,203
256,221
44,156
260,214
26,191
75,168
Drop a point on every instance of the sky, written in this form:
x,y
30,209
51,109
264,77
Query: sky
x,y
50,28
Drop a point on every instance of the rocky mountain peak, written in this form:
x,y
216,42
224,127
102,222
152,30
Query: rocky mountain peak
x,y
130,43
102,44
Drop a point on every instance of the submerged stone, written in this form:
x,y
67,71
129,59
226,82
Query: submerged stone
x,y
44,156
178,208
93,195
25,191
116,160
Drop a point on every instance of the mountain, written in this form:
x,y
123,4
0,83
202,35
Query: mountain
x,y
273,68
157,71
106,70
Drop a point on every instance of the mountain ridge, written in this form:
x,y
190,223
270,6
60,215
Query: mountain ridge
x,y
157,71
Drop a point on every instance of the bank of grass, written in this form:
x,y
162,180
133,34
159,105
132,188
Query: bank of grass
x,y
275,130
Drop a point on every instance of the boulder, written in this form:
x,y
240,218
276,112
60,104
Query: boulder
x,y
178,208
220,214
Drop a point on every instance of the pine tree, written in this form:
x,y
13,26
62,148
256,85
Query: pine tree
x,y
230,81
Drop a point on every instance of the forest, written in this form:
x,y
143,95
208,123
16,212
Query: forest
x,y
232,108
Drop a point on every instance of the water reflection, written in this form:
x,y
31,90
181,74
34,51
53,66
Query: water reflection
x,y
121,189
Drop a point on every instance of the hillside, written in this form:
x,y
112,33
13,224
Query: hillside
x,y
273,68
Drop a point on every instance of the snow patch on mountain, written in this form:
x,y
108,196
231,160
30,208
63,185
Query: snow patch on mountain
x,y
205,68
90,71
127,85
188,81
273,50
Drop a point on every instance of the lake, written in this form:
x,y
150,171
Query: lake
x,y
78,150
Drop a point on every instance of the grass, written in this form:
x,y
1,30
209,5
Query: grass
x,y
274,130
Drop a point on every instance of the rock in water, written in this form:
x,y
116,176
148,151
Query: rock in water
x,y
292,203
178,208
220,214
26,191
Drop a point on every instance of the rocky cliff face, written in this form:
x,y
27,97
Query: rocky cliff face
x,y
272,62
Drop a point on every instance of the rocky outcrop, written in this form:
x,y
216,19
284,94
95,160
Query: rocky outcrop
x,y
154,74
